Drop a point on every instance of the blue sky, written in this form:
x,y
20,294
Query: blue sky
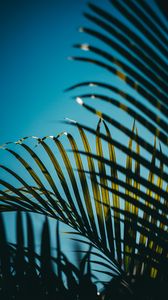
x,y
36,40
37,37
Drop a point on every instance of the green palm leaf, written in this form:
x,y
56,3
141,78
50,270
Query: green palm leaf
x,y
119,209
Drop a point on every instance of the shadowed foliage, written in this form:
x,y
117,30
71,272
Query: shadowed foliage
x,y
28,274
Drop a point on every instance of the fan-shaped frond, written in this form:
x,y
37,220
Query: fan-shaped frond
x,y
119,204
121,217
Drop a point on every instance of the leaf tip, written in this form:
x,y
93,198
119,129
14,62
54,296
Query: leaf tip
x,y
85,47
70,120
79,101
81,29
70,58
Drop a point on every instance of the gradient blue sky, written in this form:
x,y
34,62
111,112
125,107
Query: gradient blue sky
x,y
36,39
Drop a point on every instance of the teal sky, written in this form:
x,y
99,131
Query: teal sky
x,y
36,39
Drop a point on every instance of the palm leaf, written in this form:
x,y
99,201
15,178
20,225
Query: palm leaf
x,y
129,217
124,218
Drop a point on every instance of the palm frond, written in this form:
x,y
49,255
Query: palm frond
x,y
25,273
115,224
119,208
